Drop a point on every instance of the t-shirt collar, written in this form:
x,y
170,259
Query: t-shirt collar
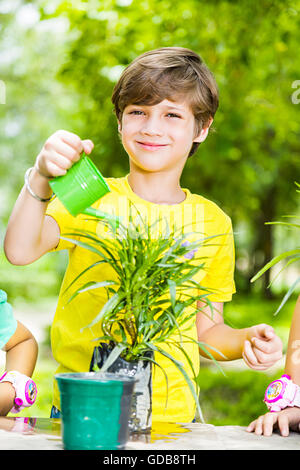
x,y
134,197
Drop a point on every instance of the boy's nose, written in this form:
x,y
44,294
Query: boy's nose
x,y
152,127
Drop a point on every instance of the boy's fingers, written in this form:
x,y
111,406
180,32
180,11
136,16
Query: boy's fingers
x,y
55,170
267,351
257,366
249,355
71,139
262,345
59,160
87,145
256,359
265,331
267,357
269,332
65,151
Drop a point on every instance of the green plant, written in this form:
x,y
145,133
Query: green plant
x,y
291,255
154,285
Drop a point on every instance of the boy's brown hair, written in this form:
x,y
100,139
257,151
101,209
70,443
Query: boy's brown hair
x,y
169,73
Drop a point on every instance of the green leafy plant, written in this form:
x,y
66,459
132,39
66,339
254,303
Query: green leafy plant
x,y
152,289
291,256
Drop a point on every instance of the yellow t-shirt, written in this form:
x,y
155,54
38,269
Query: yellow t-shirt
x,y
73,348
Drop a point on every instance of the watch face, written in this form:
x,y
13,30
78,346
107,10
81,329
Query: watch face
x,y
274,391
30,391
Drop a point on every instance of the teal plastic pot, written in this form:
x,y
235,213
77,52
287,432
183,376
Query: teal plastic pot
x,y
95,410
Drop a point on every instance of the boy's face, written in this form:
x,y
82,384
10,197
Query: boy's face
x,y
159,137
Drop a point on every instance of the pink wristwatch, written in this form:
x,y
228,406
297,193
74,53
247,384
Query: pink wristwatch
x,y
25,388
282,393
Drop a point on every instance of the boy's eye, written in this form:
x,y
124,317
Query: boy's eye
x,y
139,112
136,112
173,115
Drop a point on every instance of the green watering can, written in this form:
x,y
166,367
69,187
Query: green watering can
x,y
80,187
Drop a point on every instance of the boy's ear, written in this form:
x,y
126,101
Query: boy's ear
x,y
204,132
119,126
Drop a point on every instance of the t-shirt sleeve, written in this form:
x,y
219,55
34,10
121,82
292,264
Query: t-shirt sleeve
x,y
66,222
219,278
8,326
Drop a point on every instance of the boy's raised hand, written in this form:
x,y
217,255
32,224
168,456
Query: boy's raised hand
x,y
263,348
60,151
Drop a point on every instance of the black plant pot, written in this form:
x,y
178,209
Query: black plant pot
x,y
140,416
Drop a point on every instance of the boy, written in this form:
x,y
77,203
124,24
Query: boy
x,y
165,102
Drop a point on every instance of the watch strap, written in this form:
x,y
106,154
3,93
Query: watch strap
x,y
296,401
25,388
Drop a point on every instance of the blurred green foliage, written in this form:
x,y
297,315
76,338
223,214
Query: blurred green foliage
x,y
60,61
234,400
34,282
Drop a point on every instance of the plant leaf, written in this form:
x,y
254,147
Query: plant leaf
x,y
113,356
293,260
107,308
275,261
288,224
82,273
89,286
172,288
288,294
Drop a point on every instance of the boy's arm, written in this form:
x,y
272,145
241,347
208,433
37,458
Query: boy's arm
x,y
257,345
30,233
212,331
21,355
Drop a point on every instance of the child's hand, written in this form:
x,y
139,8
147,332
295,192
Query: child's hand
x,y
262,348
7,396
60,152
286,419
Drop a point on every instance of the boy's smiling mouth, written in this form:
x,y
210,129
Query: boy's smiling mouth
x,y
151,145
